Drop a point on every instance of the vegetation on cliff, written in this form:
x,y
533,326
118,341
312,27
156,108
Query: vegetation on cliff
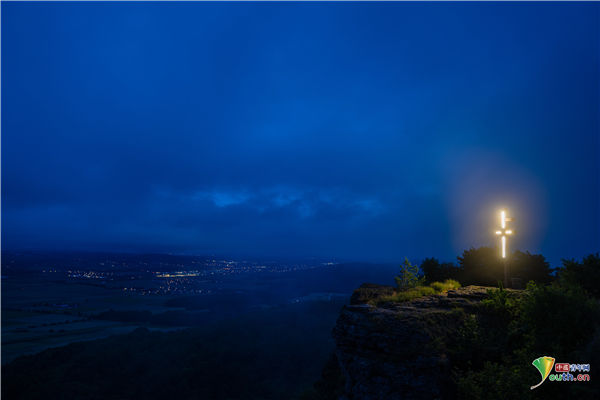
x,y
494,349
475,342
482,266
420,291
411,285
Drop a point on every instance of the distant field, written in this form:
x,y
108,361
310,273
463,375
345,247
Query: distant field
x,y
38,314
42,310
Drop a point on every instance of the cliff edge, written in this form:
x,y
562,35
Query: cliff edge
x,y
400,350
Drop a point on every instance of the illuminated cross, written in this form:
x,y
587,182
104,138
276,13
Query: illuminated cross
x,y
504,232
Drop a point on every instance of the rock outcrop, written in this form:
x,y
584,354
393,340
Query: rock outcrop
x,y
397,350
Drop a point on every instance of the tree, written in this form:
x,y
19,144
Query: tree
x,y
409,276
436,272
481,266
585,274
530,267
431,268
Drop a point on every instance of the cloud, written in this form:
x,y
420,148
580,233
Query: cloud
x,y
210,128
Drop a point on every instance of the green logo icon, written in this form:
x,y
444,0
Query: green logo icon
x,y
544,365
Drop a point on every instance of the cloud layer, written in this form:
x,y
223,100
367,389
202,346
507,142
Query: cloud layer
x,y
339,130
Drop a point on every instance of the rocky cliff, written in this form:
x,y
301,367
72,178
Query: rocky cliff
x,y
400,350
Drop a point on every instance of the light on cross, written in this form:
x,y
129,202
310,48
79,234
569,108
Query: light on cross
x,y
503,233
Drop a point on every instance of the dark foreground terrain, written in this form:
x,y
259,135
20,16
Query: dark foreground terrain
x,y
296,335
123,327
470,343
272,354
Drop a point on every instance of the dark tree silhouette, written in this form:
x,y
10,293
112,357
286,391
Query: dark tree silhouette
x,y
530,267
585,274
438,272
483,266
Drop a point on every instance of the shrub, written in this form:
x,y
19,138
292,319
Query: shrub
x,y
548,307
407,295
495,382
502,303
448,284
492,358
420,291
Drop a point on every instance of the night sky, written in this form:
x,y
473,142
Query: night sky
x,y
348,130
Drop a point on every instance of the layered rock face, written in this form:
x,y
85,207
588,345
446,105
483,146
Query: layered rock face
x,y
397,350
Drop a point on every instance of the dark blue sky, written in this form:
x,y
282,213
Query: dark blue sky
x,y
359,131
